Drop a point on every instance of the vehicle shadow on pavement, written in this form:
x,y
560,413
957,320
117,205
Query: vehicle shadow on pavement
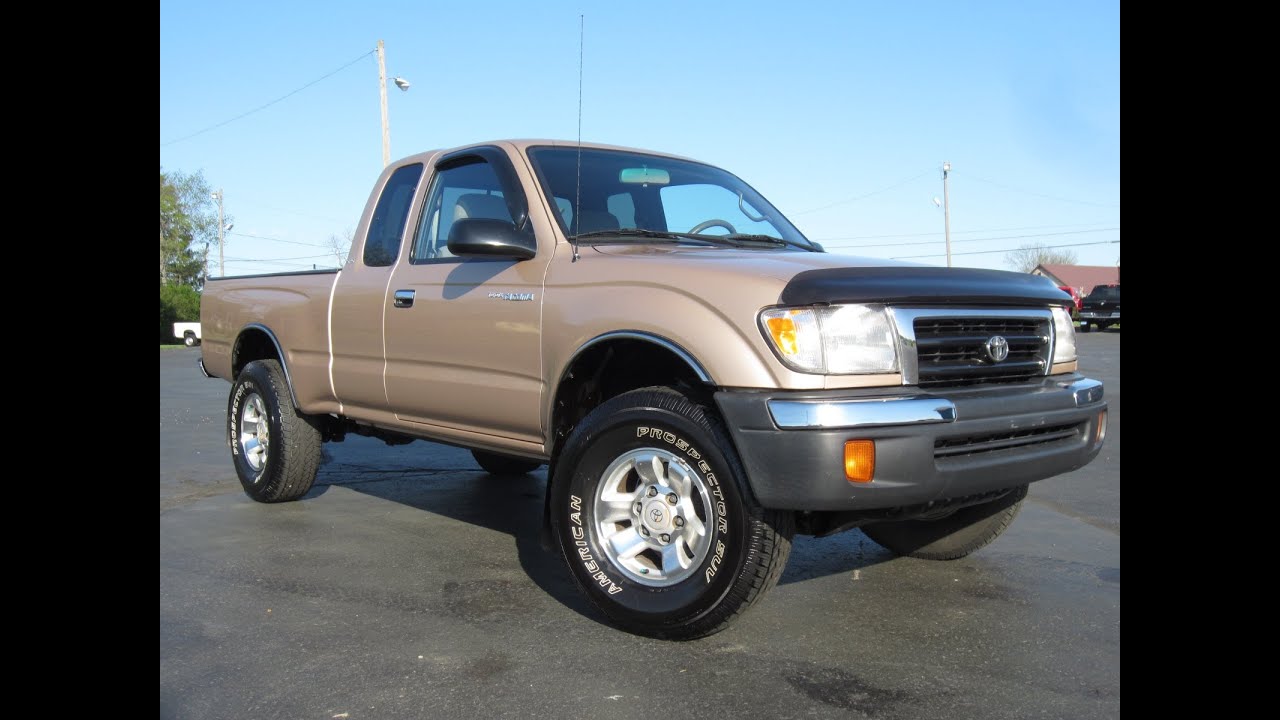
x,y
843,553
506,504
513,505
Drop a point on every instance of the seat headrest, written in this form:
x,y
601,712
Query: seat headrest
x,y
475,205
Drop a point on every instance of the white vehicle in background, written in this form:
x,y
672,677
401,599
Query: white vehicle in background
x,y
189,332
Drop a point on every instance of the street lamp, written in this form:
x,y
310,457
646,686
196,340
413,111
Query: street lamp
x,y
946,208
382,95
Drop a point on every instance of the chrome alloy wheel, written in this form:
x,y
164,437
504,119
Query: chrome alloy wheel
x,y
652,512
255,436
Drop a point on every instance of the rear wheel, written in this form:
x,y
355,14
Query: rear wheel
x,y
952,536
275,448
652,512
504,465
189,339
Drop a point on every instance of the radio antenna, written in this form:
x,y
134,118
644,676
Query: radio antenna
x,y
577,207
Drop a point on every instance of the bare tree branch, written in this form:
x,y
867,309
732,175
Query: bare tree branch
x,y
1027,257
340,246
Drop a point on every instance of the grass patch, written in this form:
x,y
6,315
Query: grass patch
x,y
176,346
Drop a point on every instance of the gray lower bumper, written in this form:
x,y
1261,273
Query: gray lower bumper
x,y
929,445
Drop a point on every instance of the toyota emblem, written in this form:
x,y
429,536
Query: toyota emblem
x,y
997,348
656,515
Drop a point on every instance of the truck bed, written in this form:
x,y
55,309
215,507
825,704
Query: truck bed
x,y
295,306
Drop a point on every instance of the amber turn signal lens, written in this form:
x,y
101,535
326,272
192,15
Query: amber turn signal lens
x,y
859,460
783,330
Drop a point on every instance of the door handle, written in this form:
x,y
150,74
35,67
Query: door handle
x,y
404,298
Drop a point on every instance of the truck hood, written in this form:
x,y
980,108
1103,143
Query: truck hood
x,y
807,278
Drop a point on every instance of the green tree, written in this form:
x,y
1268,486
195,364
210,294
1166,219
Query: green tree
x,y
178,303
188,227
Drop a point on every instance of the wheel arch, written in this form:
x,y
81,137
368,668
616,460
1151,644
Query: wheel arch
x,y
257,342
606,366
605,352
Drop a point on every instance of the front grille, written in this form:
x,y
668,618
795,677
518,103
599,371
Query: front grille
x,y
973,444
953,351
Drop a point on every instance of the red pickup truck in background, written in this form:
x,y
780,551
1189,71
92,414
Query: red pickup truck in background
x,y
1075,296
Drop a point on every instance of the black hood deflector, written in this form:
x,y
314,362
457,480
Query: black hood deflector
x,y
927,285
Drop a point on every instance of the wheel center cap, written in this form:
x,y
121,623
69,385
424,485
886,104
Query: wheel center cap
x,y
656,516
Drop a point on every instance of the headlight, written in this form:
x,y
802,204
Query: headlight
x,y
833,340
1064,349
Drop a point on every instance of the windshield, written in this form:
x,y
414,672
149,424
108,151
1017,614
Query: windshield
x,y
1103,292
624,190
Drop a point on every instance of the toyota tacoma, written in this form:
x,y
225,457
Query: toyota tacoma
x,y
702,381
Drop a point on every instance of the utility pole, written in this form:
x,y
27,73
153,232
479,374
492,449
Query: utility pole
x,y
382,94
222,267
946,208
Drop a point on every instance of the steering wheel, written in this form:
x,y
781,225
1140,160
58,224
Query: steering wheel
x,y
713,223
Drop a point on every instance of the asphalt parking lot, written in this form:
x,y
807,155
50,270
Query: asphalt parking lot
x,y
411,584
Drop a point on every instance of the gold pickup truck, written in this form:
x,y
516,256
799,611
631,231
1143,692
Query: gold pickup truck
x,y
702,380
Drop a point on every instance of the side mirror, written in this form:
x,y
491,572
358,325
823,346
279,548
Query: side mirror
x,y
482,237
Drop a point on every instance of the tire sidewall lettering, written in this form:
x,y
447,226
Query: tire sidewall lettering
x,y
580,540
242,390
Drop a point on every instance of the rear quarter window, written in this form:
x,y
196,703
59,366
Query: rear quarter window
x,y
386,227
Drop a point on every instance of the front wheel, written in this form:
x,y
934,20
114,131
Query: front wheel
x,y
652,512
189,339
951,536
276,449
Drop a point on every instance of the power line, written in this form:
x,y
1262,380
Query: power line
x,y
302,257
1050,197
955,232
867,195
264,237
306,266
1000,237
290,212
273,102
988,252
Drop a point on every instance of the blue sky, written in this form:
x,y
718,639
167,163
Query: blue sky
x,y
841,113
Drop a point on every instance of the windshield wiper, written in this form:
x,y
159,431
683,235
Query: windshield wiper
x,y
775,241
750,238
631,233
735,240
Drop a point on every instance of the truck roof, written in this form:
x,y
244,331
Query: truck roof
x,y
522,144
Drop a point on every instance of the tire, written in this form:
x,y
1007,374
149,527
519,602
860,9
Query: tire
x,y
284,467
189,339
1084,327
953,536
689,585
504,465
1102,327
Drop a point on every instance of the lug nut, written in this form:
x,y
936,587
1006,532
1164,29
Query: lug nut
x,y
644,531
652,491
672,499
664,538
679,521
639,508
